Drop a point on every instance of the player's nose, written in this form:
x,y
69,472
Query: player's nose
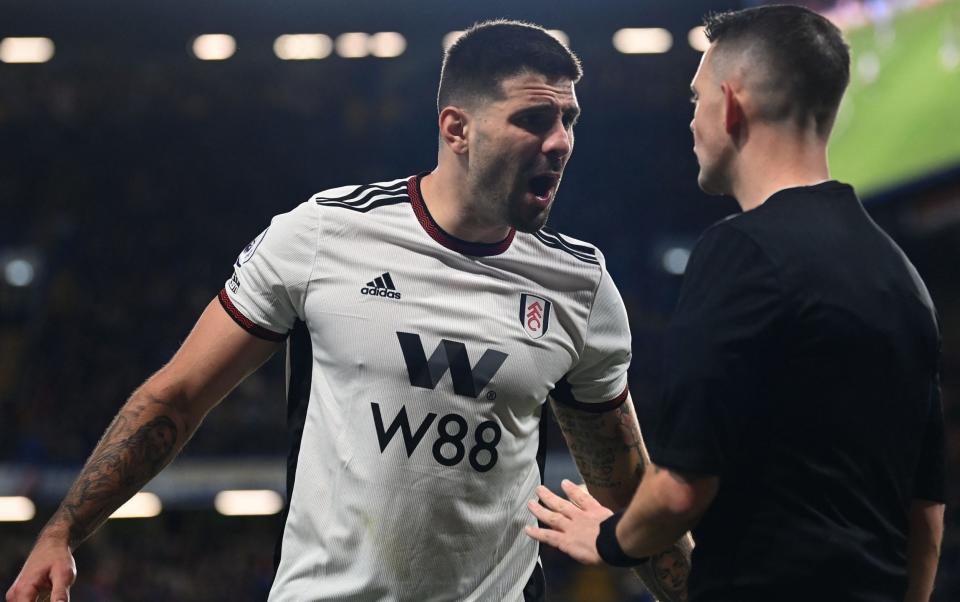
x,y
559,141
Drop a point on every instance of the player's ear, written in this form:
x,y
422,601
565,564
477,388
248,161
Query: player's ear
x,y
453,129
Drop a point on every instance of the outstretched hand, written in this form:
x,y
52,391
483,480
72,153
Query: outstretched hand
x,y
571,525
47,574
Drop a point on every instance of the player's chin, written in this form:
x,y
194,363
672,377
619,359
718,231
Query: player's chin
x,y
530,217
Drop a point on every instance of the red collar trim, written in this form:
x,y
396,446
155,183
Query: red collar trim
x,y
477,249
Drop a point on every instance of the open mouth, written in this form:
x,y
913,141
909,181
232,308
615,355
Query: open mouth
x,y
542,186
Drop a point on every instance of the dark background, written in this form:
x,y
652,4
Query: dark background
x,y
131,175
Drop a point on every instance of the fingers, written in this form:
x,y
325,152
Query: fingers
x,y
554,502
577,548
547,517
578,494
547,536
22,592
62,580
43,579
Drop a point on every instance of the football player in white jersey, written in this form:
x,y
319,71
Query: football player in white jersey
x,y
427,320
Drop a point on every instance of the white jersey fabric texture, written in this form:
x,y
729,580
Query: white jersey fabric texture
x,y
418,367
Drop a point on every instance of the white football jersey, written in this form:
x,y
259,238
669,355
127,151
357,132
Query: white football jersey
x,y
418,367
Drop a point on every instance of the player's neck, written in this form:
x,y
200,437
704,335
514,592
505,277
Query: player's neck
x,y
774,162
449,204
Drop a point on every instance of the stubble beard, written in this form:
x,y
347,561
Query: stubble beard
x,y
501,200
506,199
714,177
524,222
497,203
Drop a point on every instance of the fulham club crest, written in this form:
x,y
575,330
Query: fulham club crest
x,y
534,315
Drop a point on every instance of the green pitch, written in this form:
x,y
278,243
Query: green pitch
x,y
906,122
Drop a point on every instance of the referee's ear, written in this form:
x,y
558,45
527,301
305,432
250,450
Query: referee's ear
x,y
453,129
733,113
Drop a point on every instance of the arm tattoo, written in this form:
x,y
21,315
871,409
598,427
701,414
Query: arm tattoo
x,y
120,465
671,569
630,431
667,572
604,445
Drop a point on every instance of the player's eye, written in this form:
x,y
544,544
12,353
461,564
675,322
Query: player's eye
x,y
535,122
693,99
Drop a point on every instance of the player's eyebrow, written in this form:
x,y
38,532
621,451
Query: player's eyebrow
x,y
570,114
544,107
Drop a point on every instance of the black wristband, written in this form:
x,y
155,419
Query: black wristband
x,y
609,548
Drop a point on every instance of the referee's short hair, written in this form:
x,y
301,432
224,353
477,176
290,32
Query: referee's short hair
x,y
491,51
800,63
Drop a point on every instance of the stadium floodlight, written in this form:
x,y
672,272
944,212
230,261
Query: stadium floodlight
x,y
353,45
141,505
642,40
250,502
16,509
387,44
214,47
303,46
451,38
698,39
675,260
26,50
19,272
560,36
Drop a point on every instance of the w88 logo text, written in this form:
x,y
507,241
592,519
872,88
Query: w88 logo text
x,y
451,445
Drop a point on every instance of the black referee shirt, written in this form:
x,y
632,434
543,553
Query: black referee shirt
x,y
801,367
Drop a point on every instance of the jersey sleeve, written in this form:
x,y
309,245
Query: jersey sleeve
x,y
729,310
598,381
266,293
930,481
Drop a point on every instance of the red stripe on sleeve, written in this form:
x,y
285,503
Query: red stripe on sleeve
x,y
244,322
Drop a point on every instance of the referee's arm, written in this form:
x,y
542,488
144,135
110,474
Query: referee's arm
x,y
925,525
147,433
923,548
667,504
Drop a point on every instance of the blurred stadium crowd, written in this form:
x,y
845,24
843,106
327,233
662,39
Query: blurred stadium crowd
x,y
131,188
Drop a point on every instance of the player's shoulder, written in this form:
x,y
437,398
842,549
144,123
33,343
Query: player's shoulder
x,y
362,198
349,199
564,250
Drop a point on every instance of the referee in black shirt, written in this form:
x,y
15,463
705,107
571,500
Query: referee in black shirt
x,y
800,435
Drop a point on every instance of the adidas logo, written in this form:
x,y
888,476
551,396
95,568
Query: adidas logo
x,y
381,286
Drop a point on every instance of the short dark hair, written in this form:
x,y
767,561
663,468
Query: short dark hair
x,y
491,51
805,62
